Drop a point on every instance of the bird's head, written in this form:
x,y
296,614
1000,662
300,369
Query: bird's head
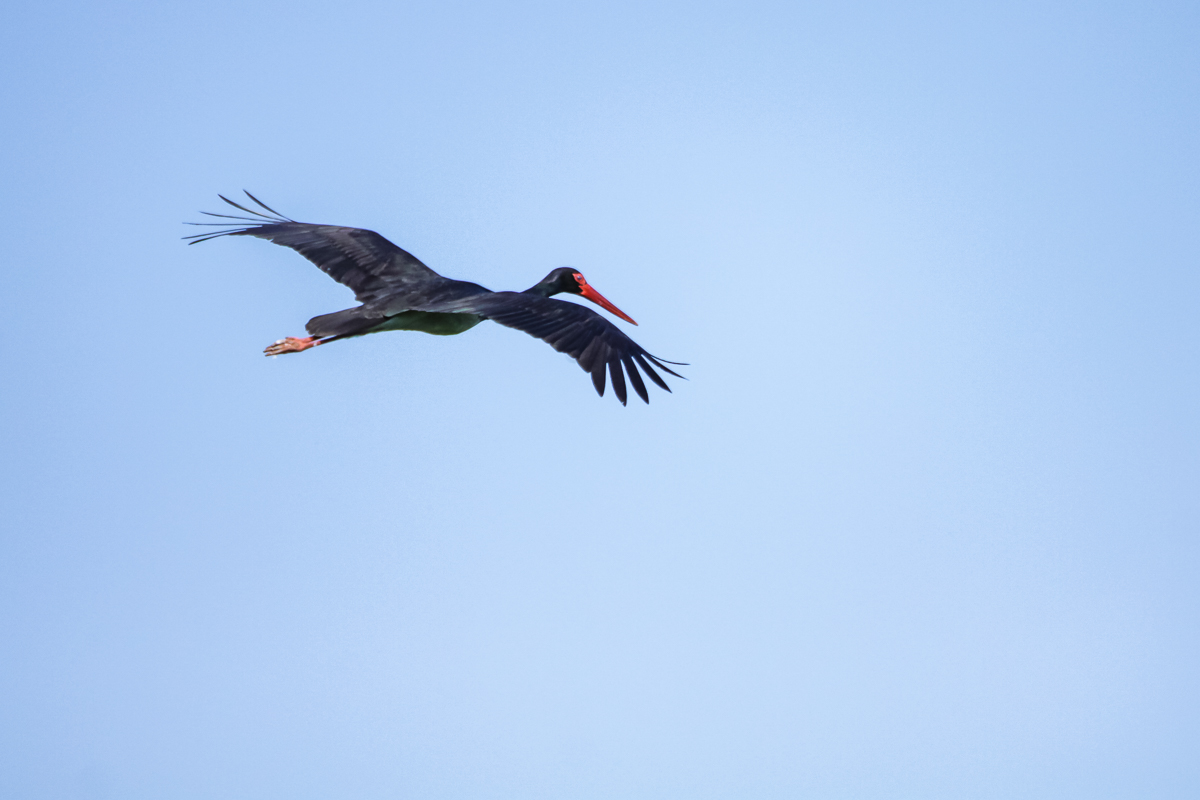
x,y
566,280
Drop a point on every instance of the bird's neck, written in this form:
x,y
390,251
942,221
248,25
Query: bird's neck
x,y
542,290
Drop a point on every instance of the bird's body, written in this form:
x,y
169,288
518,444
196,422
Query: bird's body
x,y
436,322
399,293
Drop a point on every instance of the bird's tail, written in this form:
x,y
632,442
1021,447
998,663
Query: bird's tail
x,y
350,322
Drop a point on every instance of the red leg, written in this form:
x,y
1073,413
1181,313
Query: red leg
x,y
291,345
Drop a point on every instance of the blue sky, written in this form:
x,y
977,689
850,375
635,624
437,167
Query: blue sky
x,y
922,523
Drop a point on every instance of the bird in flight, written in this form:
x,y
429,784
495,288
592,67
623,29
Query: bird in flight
x,y
399,293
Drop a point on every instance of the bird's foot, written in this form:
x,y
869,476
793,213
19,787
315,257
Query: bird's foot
x,y
291,345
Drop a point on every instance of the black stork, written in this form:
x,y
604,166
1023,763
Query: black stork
x,y
399,293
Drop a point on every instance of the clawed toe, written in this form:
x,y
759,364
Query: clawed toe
x,y
290,345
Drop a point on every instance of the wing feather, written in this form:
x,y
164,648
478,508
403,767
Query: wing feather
x,y
650,372
618,379
635,379
598,374
600,347
373,267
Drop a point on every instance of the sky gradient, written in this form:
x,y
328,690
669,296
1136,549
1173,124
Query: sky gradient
x,y
922,523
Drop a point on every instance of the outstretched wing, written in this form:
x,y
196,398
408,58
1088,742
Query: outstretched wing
x,y
581,333
369,264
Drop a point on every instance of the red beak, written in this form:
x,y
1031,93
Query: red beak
x,y
591,294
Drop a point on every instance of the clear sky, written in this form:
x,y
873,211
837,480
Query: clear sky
x,y
923,523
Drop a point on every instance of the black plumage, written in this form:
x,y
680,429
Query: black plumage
x,y
398,292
